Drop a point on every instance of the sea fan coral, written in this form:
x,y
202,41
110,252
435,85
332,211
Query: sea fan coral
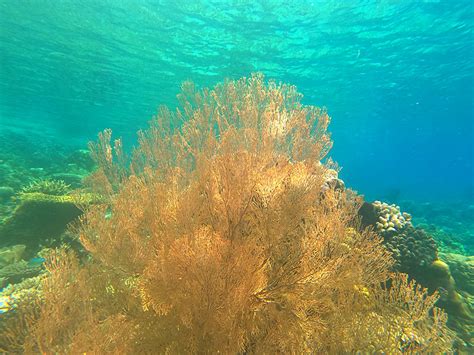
x,y
220,235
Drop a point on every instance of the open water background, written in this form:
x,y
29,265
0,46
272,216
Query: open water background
x,y
396,76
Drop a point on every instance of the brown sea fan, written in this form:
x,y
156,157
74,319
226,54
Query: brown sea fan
x,y
218,237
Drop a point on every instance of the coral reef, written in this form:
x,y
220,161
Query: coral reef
x,y
80,159
415,253
18,271
39,217
447,241
390,218
6,192
457,275
441,276
72,180
48,187
27,157
451,223
462,269
412,248
27,291
31,157
10,255
18,303
13,268
226,234
332,181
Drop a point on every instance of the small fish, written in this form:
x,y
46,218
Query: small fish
x,y
36,261
5,304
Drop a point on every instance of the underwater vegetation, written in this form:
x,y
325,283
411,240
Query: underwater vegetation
x,y
226,230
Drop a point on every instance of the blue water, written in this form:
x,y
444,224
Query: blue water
x,y
396,76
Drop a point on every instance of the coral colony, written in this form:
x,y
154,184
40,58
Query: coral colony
x,y
227,229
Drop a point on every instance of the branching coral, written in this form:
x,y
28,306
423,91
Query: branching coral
x,y
221,235
48,187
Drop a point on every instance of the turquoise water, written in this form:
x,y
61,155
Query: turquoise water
x,y
396,76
